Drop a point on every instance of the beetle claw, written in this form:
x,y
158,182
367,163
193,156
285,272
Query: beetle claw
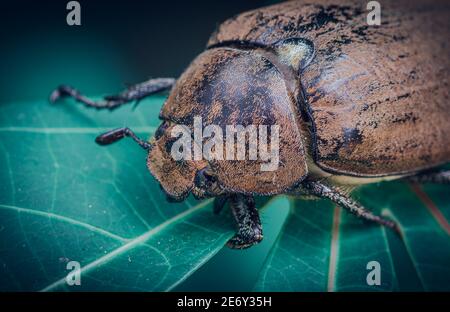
x,y
243,240
60,92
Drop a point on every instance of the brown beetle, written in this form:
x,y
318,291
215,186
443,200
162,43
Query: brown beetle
x,y
355,103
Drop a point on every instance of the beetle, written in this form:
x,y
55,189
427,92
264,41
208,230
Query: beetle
x,y
356,104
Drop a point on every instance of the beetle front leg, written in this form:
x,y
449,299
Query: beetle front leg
x,y
335,195
442,177
249,225
134,93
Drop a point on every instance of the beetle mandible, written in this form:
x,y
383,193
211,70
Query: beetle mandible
x,y
356,104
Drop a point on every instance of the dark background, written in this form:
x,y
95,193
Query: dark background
x,y
118,42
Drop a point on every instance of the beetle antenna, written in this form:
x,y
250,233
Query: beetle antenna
x,y
118,134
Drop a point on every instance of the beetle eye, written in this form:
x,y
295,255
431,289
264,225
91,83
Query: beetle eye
x,y
202,178
295,52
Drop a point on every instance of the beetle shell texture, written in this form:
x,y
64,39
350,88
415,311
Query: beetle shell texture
x,y
235,87
373,101
377,96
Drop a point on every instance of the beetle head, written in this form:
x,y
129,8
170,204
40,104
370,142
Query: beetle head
x,y
178,177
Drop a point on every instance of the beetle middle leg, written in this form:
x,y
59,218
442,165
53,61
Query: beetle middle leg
x,y
249,225
133,93
442,177
335,195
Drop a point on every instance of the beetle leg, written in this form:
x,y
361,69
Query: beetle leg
x,y
115,135
219,203
442,177
344,201
133,93
249,225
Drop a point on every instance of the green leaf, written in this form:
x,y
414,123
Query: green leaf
x,y
323,249
63,198
238,270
